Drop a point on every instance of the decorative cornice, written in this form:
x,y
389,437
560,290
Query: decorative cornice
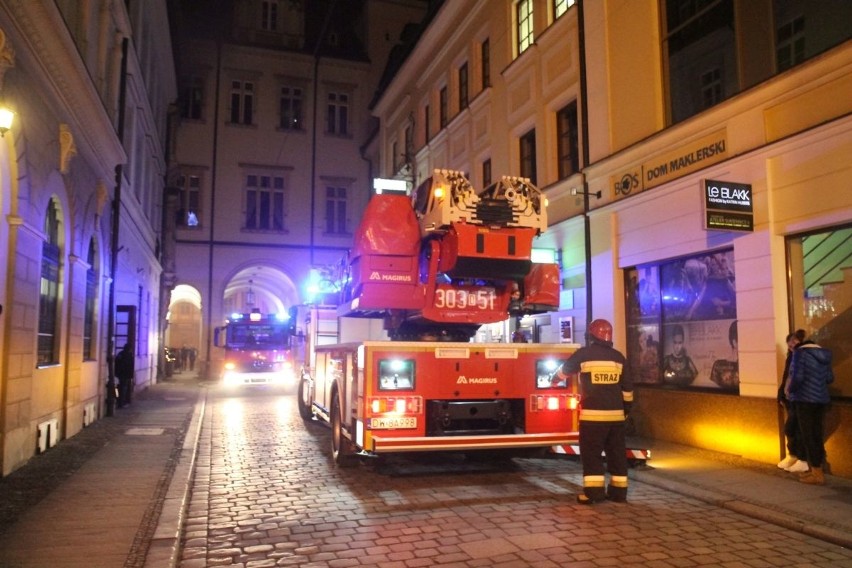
x,y
46,51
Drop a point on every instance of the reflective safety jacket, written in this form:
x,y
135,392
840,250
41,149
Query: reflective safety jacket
x,y
606,389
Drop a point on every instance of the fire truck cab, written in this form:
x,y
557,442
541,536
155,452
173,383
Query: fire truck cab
x,y
258,349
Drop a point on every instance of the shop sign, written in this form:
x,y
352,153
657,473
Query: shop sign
x,y
692,157
729,206
666,167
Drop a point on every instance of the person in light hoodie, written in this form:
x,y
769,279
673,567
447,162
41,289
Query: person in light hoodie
x,y
807,390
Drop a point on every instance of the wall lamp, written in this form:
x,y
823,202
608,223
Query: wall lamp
x,y
575,191
6,119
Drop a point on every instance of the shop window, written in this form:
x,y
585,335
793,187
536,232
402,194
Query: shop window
x,y
819,266
682,323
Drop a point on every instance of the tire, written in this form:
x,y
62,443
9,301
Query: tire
x,y
342,450
304,399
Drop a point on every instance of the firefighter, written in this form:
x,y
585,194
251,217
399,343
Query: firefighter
x,y
606,391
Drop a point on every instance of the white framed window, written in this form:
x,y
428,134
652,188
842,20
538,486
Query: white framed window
x,y
265,195
48,304
337,114
189,200
269,15
524,22
242,102
336,210
291,109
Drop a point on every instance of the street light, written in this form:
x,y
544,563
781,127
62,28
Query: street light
x,y
575,191
7,117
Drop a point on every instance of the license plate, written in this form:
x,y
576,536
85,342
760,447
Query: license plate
x,y
393,422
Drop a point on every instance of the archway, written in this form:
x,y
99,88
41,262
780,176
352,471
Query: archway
x,y
184,326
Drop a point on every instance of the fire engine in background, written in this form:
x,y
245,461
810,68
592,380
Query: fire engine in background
x,y
391,366
258,349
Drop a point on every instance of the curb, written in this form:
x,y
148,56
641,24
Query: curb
x,y
783,519
164,548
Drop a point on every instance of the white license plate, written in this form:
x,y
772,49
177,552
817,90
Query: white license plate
x,y
393,422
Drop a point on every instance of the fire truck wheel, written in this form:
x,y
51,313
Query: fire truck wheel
x,y
304,399
341,448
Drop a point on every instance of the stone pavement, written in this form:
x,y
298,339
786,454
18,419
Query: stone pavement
x,y
116,494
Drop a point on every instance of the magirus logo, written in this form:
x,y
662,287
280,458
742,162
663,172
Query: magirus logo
x,y
462,380
390,277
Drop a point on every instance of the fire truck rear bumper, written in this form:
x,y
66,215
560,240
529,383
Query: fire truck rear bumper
x,y
387,444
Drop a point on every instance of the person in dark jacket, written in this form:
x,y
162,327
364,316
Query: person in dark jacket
x,y
807,389
795,452
606,391
124,369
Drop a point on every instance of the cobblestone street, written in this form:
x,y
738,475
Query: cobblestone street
x,y
265,493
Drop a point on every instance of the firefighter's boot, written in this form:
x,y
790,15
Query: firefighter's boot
x,y
814,477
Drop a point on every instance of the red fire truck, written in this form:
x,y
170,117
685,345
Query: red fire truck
x,y
257,349
391,367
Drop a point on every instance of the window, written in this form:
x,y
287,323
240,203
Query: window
x,y
48,306
264,202
567,141
485,55
242,102
291,109
189,198
91,303
819,268
527,150
426,123
790,43
561,6
269,15
711,87
337,118
192,99
443,108
409,144
682,323
463,94
486,173
395,156
335,210
524,19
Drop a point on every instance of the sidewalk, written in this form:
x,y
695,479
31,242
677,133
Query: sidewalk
x,y
115,494
111,495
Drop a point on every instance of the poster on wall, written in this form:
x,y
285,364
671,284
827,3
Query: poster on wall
x,y
682,323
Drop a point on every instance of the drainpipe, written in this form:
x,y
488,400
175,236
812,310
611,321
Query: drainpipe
x,y
584,132
210,247
114,250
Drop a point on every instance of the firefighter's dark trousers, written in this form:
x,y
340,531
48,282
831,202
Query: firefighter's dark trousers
x,y
598,438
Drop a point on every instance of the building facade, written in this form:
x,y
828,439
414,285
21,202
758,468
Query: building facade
x,y
696,168
270,176
90,84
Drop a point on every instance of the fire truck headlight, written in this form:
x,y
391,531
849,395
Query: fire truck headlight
x,y
396,374
230,365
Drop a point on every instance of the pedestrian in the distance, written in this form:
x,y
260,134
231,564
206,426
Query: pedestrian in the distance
x,y
606,391
795,452
193,353
807,389
124,370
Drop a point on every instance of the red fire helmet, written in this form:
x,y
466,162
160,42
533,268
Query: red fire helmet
x,y
601,329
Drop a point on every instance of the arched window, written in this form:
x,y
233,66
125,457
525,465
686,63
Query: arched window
x,y
89,343
48,307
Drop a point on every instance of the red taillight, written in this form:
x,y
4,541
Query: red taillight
x,y
545,402
396,404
